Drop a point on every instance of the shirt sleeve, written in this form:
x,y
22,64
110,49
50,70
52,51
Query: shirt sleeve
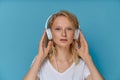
x,y
86,71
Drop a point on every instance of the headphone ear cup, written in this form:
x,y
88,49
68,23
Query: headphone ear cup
x,y
76,35
49,34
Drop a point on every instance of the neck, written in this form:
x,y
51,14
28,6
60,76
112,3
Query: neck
x,y
62,58
63,53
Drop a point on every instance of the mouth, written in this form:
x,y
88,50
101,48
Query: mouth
x,y
63,40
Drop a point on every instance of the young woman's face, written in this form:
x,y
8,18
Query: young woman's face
x,y
62,31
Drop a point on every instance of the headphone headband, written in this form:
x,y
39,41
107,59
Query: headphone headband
x,y
46,24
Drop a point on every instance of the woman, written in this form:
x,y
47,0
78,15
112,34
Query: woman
x,y
64,57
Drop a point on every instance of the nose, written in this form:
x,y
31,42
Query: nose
x,y
64,32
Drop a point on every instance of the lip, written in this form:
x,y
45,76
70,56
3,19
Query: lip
x,y
63,40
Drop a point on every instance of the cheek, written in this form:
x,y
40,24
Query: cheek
x,y
71,35
55,36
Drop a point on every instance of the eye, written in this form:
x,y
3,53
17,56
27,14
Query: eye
x,y
69,28
57,28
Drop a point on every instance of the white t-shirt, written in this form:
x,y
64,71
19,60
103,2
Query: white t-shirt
x,y
74,72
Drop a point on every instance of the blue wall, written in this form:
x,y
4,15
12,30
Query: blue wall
x,y
22,24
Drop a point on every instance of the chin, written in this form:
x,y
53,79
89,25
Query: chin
x,y
64,45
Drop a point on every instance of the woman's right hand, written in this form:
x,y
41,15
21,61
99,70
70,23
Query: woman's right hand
x,y
42,50
42,53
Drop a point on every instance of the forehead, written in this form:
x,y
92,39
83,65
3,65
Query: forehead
x,y
62,21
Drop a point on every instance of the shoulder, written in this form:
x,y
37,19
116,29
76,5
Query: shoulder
x,y
81,66
45,63
82,69
81,62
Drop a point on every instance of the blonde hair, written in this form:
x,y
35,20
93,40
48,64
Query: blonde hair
x,y
75,24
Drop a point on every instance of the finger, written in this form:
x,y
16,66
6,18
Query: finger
x,y
43,39
82,39
76,45
49,45
81,36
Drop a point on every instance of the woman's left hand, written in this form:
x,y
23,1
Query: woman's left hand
x,y
83,51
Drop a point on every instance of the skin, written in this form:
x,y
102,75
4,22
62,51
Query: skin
x,y
62,29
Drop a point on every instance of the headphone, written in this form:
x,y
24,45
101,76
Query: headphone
x,y
49,34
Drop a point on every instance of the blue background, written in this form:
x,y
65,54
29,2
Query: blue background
x,y
22,25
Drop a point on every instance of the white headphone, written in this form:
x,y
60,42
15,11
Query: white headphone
x,y
49,34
